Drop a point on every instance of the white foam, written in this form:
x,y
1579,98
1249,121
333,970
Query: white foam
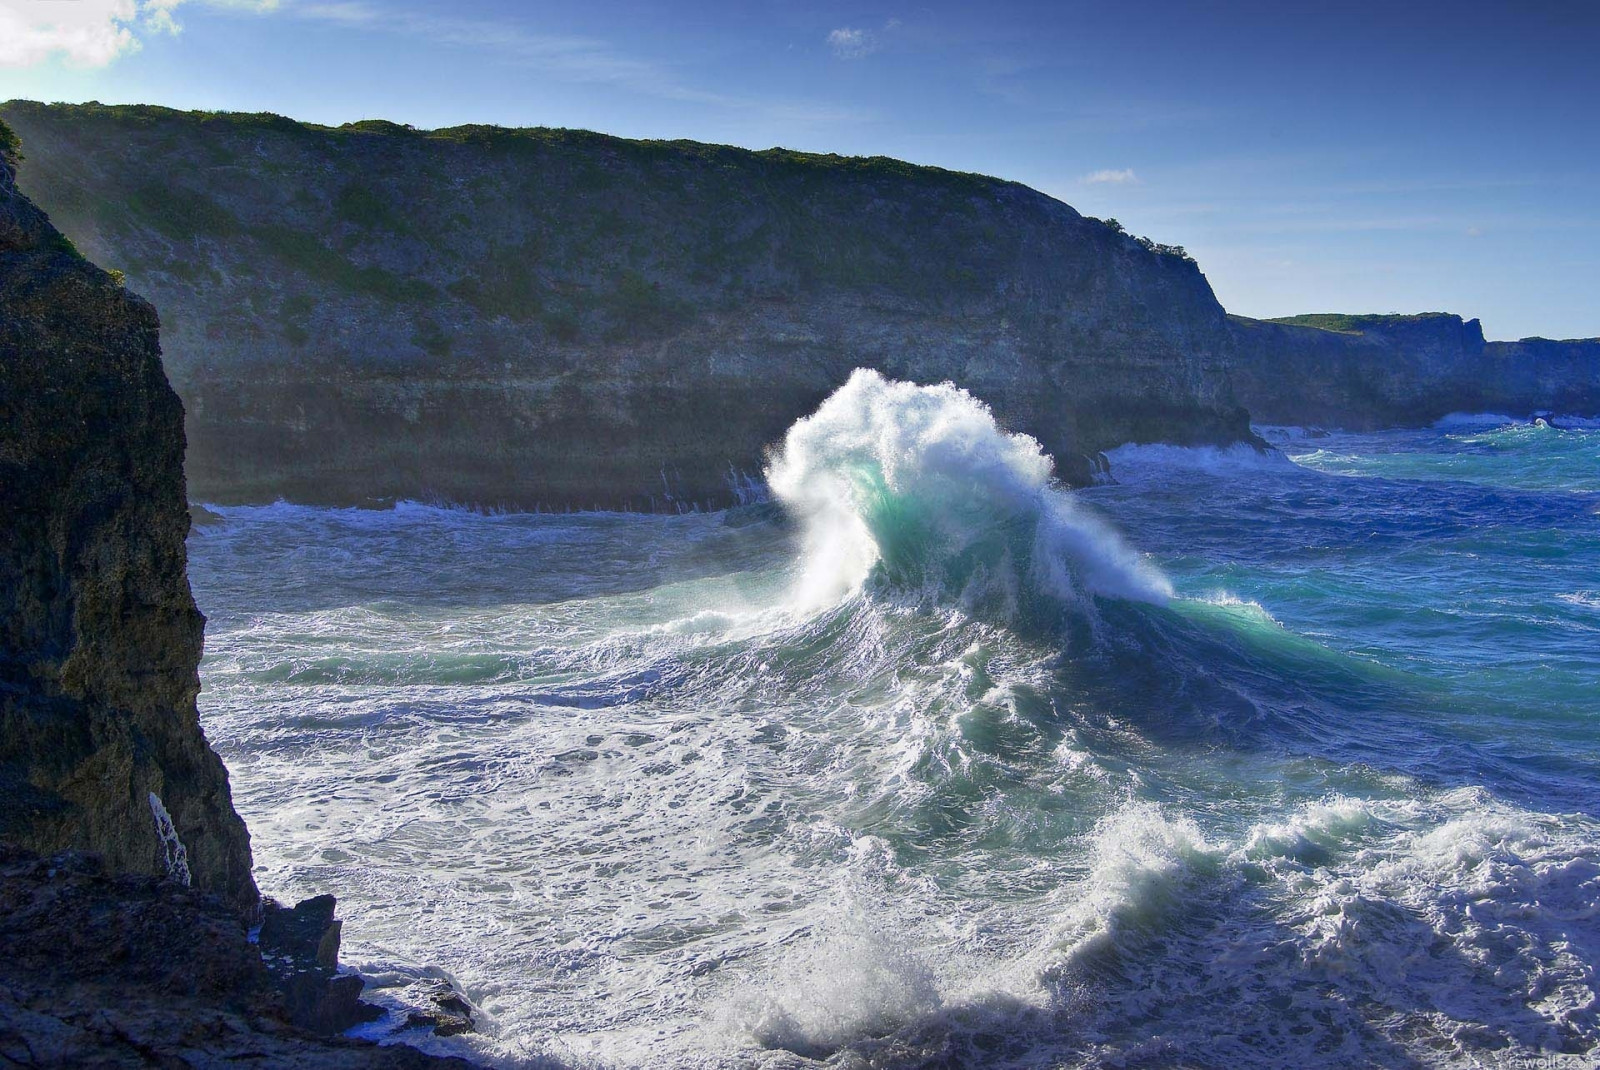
x,y
1464,421
175,856
1135,462
921,481
844,982
1142,859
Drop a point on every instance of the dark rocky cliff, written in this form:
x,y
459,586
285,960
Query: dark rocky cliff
x,y
562,319
136,954
1371,372
99,637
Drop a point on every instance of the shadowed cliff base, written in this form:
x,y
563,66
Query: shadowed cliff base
x,y
131,971
559,319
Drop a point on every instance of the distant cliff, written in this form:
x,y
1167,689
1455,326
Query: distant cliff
x,y
1370,372
562,319
100,741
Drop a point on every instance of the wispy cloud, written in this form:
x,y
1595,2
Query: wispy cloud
x,y
572,58
1109,177
89,33
584,60
850,43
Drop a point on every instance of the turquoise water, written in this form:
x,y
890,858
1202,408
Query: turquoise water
x,y
1241,760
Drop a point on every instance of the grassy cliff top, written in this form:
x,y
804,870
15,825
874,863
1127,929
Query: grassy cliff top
x,y
511,140
1346,323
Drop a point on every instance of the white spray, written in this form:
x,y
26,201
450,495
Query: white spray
x,y
921,483
174,854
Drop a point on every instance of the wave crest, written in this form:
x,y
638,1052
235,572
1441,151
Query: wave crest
x,y
917,488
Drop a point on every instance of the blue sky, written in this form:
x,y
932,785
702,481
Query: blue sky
x,y
1363,157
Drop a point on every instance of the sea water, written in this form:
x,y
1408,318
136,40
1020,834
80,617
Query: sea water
x,y
1244,759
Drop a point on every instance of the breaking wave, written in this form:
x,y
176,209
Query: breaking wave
x,y
917,489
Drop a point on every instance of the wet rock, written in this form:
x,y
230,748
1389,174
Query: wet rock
x,y
117,970
444,1010
201,517
300,947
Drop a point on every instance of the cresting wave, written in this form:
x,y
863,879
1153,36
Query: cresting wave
x,y
919,490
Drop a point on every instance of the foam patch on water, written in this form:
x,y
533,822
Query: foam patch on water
x,y
1464,421
920,489
1133,462
1470,909
1247,608
844,982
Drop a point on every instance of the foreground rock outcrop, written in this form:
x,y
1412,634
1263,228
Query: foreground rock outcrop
x,y
100,640
1373,372
130,971
562,319
137,953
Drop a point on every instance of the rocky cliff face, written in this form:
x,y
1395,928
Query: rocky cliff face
x,y
561,319
1561,376
1371,372
100,741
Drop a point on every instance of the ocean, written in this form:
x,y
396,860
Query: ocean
x,y
1243,759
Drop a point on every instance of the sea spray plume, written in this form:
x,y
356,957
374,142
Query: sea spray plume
x,y
918,488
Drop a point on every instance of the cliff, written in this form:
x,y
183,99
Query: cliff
x,y
1371,372
135,953
562,319
100,740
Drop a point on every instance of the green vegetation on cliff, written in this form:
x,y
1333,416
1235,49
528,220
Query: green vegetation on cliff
x,y
10,147
1345,323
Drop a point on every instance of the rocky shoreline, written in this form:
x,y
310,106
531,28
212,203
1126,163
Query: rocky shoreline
x,y
127,970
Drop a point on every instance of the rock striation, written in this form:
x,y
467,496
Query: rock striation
x,y
100,740
560,319
1373,372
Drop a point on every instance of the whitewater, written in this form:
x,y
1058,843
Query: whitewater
x,y
1239,759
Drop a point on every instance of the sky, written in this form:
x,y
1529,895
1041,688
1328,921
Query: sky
x,y
1403,156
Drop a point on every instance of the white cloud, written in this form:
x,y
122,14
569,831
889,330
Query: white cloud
x,y
848,43
85,33
1124,177
583,60
89,33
